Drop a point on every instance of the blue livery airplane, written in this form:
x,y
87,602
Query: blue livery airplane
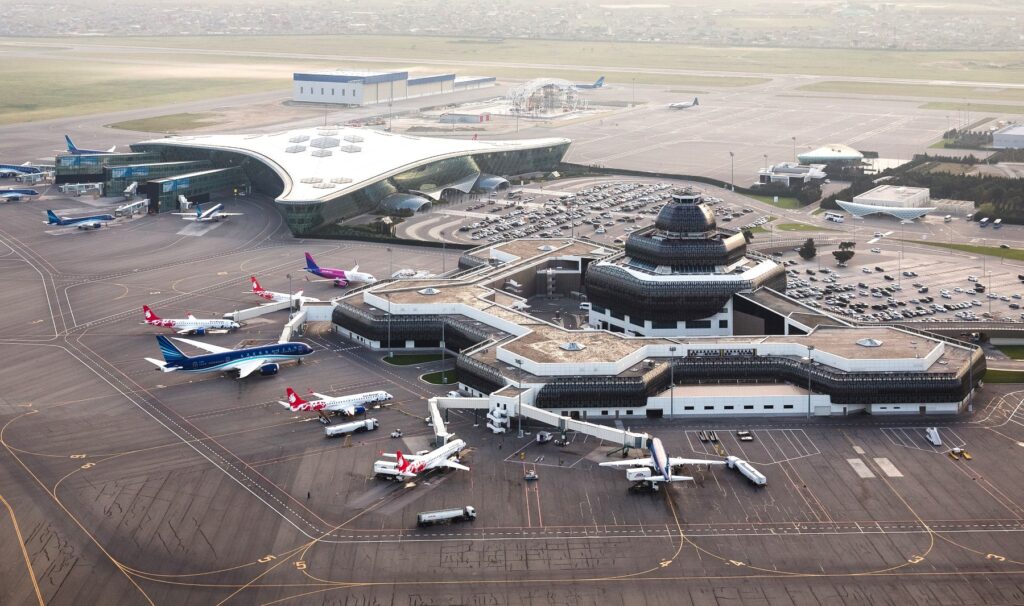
x,y
245,361
657,467
599,83
92,222
203,216
17,194
11,170
75,151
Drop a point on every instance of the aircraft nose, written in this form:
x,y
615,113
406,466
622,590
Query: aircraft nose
x,y
306,349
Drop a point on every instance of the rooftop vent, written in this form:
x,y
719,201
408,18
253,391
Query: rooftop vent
x,y
294,149
869,343
428,291
324,185
322,153
573,346
351,149
299,139
546,248
310,180
340,180
326,132
323,142
354,139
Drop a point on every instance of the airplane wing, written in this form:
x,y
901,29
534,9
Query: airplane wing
x,y
648,462
230,214
160,364
677,461
451,465
246,367
206,346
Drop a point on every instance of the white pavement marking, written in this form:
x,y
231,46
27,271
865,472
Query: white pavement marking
x,y
861,468
887,467
858,450
198,229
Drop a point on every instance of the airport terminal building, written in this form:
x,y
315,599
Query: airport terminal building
x,y
776,357
320,176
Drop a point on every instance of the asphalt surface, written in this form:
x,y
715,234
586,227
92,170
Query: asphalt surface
x,y
121,484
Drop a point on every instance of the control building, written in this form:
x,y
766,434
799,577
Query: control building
x,y
349,87
678,277
801,362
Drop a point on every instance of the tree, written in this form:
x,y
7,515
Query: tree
x,y
847,245
842,256
808,250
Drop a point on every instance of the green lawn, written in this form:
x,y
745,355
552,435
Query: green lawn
x,y
171,123
987,66
1004,376
410,359
800,227
784,202
436,378
988,108
1015,352
1014,254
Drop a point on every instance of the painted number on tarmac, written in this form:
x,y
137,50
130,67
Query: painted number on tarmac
x,y
992,556
916,559
300,565
88,465
266,558
78,456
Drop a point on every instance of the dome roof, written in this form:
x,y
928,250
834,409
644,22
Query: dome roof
x,y
685,214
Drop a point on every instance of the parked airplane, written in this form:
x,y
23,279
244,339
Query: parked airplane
x,y
11,170
17,194
412,465
91,222
245,361
340,277
211,214
275,297
685,104
658,462
343,405
599,83
190,325
76,152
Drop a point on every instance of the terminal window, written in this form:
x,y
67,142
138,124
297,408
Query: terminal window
x,y
729,407
698,324
709,408
787,406
604,412
687,407
629,412
748,407
723,324
769,407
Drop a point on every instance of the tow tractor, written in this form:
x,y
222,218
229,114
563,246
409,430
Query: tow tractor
x,y
396,433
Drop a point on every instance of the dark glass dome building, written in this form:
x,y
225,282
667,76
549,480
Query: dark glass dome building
x,y
677,277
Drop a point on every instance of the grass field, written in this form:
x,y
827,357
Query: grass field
x,y
1015,352
974,107
800,227
171,123
410,359
783,202
1004,376
1014,254
989,66
879,89
437,378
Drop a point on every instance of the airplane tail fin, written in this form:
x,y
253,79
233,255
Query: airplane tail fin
x,y
172,355
599,83
402,463
52,218
71,145
695,102
199,210
255,284
310,263
149,314
294,399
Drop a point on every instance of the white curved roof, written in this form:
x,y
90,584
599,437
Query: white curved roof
x,y
862,210
321,163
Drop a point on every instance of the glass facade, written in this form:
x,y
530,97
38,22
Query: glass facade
x,y
88,168
117,178
163,193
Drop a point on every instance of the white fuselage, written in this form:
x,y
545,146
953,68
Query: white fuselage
x,y
432,459
194,324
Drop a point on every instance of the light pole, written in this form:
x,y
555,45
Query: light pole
x,y
444,373
794,148
634,93
391,353
765,162
291,297
672,381
519,407
391,262
989,289
732,171
444,252
809,360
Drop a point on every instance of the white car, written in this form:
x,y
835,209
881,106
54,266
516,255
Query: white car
x,y
876,250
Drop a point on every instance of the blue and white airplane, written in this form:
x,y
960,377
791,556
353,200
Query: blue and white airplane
x,y
17,194
11,170
245,361
599,83
92,222
657,467
211,214
74,151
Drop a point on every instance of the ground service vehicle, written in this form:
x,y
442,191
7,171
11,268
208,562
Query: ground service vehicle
x,y
444,516
333,431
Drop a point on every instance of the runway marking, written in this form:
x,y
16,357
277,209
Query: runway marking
x,y
199,229
861,468
916,440
887,467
